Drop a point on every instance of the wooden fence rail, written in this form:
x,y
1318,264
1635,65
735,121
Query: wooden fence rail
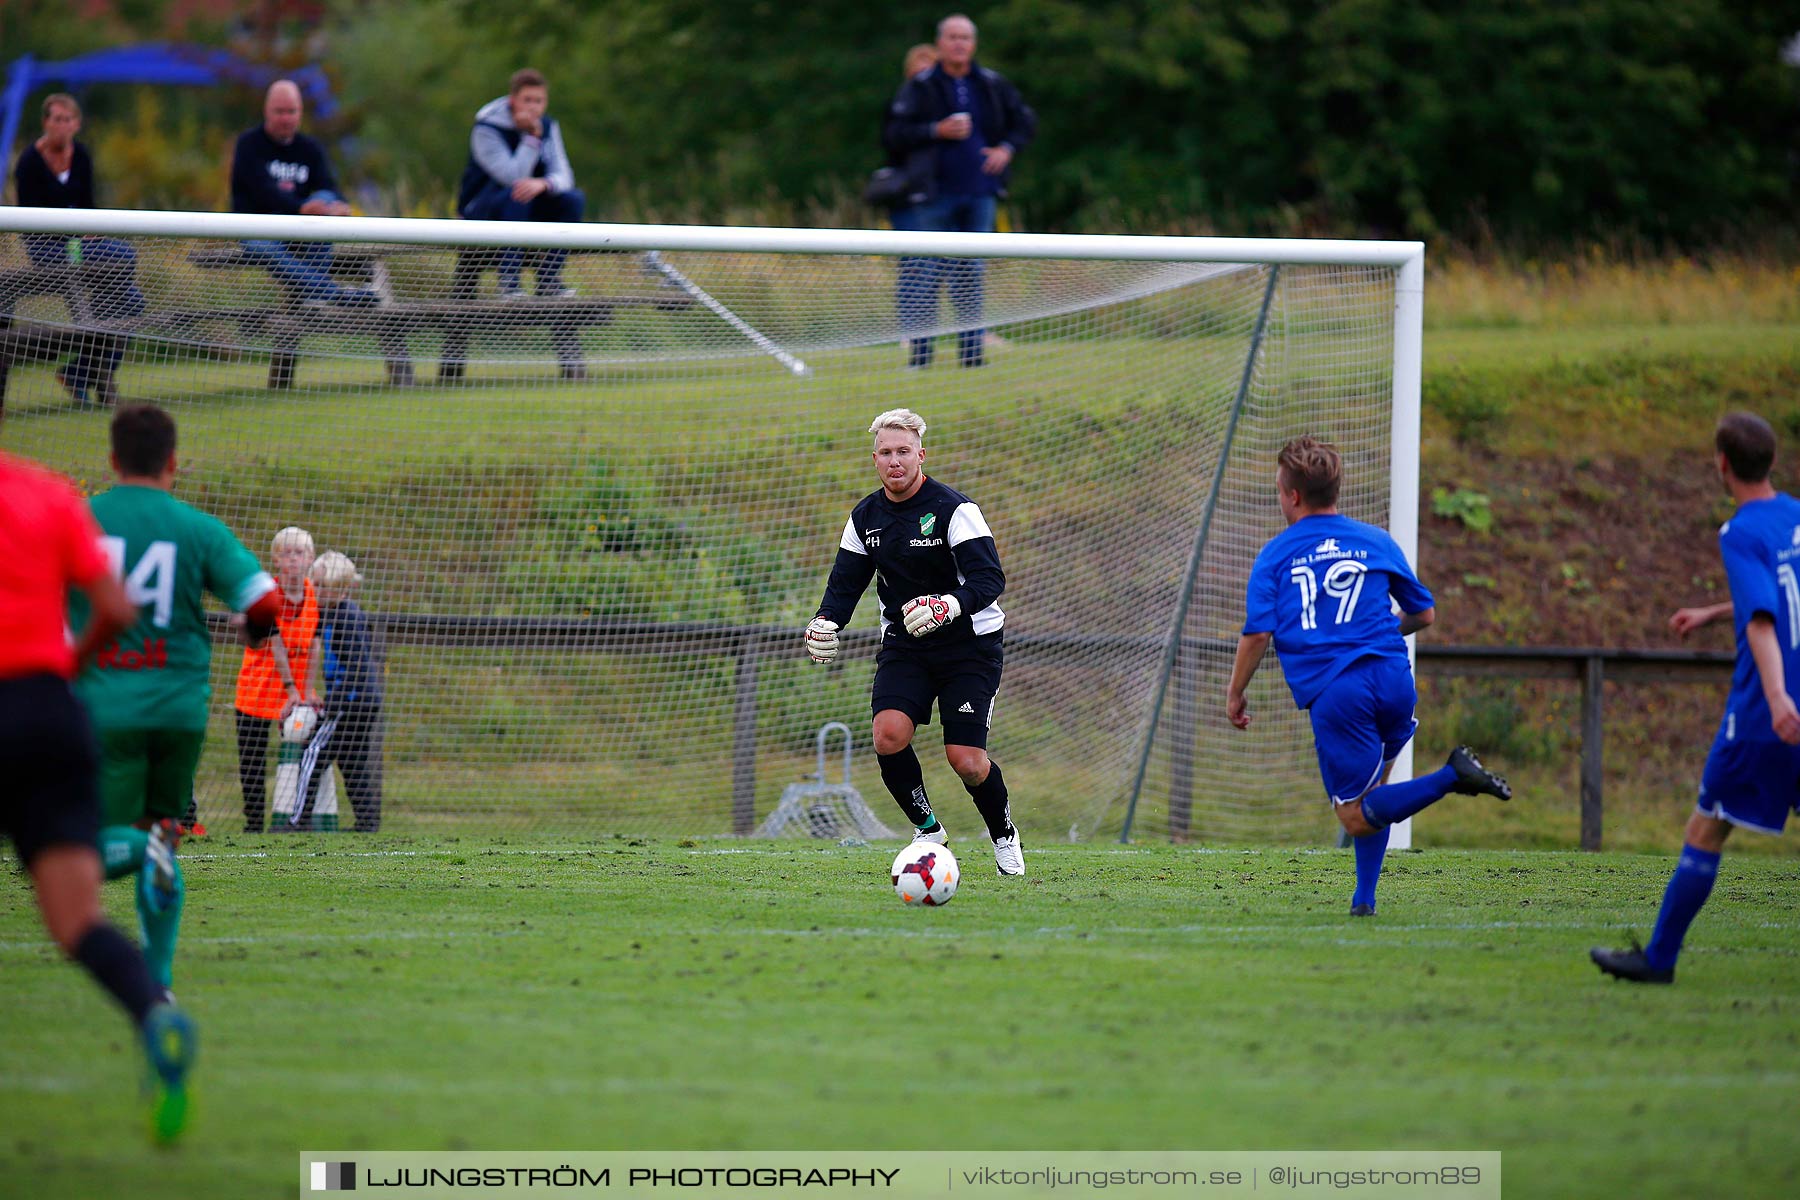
x,y
751,644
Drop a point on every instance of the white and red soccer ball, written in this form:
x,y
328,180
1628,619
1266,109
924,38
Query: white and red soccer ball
x,y
301,722
926,873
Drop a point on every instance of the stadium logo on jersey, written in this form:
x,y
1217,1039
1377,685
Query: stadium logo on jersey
x,y
927,523
926,542
153,657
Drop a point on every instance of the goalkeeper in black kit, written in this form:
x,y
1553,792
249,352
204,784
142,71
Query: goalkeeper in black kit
x,y
938,577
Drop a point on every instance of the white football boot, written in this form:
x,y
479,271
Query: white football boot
x,y
1009,856
940,835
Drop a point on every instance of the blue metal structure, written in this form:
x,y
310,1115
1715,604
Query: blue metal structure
x,y
152,62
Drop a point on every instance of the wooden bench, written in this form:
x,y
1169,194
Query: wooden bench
x,y
456,317
36,341
287,324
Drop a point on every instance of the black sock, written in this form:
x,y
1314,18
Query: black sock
x,y
990,801
906,780
118,966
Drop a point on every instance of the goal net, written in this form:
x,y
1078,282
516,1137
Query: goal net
x,y
593,515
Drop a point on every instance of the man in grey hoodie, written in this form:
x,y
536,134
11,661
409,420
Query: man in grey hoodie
x,y
518,171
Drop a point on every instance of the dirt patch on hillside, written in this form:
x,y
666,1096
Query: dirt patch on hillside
x,y
1594,553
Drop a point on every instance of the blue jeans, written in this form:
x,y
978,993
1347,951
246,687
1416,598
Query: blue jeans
x,y
111,270
303,268
920,278
495,203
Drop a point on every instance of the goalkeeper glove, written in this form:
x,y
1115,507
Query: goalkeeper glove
x,y
822,640
927,614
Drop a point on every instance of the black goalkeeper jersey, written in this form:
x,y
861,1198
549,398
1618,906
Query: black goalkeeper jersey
x,y
935,544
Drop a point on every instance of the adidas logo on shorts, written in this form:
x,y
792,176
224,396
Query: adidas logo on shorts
x,y
967,708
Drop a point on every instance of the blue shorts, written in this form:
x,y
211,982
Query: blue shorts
x,y
1753,783
1361,722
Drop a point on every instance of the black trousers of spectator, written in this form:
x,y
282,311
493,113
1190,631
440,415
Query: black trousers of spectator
x,y
352,739
253,767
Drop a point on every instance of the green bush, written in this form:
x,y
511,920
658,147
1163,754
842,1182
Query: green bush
x,y
1473,407
600,543
1471,508
1494,722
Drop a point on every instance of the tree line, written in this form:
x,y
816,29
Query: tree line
x,y
1518,120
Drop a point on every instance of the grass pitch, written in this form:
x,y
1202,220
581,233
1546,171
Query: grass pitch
x,y
402,993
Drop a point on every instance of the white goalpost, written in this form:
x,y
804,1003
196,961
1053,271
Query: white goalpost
x,y
591,526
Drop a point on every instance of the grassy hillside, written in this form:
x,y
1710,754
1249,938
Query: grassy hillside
x,y
1569,499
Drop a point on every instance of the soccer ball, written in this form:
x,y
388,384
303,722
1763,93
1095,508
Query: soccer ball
x,y
926,873
299,724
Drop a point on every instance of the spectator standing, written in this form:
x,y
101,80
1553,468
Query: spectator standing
x,y
354,666
519,171
276,169
275,676
56,171
976,122
915,165
919,58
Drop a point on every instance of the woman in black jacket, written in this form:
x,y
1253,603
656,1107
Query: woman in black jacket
x,y
56,171
914,166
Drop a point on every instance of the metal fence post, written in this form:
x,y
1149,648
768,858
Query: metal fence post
x,y
743,737
1184,721
1593,681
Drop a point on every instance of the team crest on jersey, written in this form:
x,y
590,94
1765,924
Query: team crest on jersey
x,y
926,524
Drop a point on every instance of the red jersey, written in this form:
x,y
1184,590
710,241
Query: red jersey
x,y
48,543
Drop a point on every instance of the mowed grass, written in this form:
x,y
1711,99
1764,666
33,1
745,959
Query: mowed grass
x,y
479,993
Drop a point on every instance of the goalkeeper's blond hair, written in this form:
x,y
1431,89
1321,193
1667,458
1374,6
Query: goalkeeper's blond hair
x,y
899,418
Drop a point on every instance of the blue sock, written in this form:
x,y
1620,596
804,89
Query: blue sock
x,y
1688,889
1370,850
1398,801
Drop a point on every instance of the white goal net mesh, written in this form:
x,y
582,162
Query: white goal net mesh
x,y
593,516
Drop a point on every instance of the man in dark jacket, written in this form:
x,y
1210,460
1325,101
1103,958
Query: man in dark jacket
x,y
975,121
277,169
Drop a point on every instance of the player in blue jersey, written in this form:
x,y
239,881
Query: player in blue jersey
x,y
1752,775
937,573
1324,593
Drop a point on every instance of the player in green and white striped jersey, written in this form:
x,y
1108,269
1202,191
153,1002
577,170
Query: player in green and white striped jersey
x,y
148,691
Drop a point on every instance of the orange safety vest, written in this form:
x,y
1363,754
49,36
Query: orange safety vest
x,y
260,692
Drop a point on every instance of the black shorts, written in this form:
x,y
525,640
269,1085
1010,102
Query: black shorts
x,y
962,677
48,760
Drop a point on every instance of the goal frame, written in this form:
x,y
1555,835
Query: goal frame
x,y
1405,258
